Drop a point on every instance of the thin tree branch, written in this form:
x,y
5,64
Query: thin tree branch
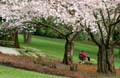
x,y
47,26
108,36
103,19
75,34
90,33
114,24
116,42
111,30
108,13
67,35
115,14
93,38
54,28
100,28
117,21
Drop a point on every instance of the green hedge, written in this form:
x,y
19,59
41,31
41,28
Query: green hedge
x,y
47,32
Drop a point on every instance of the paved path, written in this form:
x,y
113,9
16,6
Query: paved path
x,y
7,50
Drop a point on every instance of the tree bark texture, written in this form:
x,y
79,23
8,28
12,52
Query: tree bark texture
x,y
16,41
106,61
68,52
119,52
27,37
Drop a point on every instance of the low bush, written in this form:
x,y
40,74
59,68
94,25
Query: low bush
x,y
28,51
6,43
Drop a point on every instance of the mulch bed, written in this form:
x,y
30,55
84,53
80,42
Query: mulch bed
x,y
51,66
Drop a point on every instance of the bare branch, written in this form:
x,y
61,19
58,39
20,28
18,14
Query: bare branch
x,y
117,21
115,14
108,12
108,36
93,38
75,34
114,24
111,30
116,42
54,28
103,19
47,26
100,28
90,33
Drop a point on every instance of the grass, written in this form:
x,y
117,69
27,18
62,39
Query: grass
x,y
51,47
9,72
55,47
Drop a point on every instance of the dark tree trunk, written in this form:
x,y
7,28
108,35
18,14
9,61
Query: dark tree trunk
x,y
27,37
16,41
12,36
68,52
119,52
106,61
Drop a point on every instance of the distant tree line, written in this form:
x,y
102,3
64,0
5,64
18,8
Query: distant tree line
x,y
47,32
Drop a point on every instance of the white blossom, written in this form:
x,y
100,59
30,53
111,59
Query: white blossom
x,y
66,11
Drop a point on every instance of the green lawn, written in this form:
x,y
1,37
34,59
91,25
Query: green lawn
x,y
52,47
9,72
55,47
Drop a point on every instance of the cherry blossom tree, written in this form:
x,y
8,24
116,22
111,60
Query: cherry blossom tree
x,y
104,17
16,12
11,17
27,30
11,11
60,18
116,34
95,16
65,31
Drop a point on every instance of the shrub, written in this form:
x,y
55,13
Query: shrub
x,y
47,32
31,52
4,34
6,43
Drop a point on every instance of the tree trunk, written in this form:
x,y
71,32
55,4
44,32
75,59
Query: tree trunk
x,y
106,61
12,36
27,37
119,52
68,52
16,42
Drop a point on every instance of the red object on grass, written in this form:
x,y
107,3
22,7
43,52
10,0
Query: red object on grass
x,y
83,55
